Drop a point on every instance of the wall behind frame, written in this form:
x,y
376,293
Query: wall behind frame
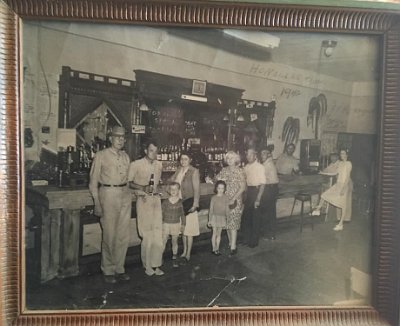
x,y
118,50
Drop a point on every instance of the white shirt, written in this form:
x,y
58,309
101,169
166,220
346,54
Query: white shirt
x,y
255,174
271,174
141,170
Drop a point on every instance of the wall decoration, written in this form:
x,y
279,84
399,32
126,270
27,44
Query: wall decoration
x,y
316,110
291,131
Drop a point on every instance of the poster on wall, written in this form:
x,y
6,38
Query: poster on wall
x,y
201,170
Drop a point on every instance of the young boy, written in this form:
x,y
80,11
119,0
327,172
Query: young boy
x,y
174,219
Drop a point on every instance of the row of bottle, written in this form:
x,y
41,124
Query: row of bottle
x,y
173,152
169,153
214,153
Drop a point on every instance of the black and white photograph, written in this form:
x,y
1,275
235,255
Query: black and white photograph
x,y
177,167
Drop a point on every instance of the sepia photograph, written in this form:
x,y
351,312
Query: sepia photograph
x,y
263,145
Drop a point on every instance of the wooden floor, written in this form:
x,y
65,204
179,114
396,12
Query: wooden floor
x,y
308,268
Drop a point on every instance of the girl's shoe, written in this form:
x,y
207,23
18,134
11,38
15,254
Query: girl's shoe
x,y
216,253
233,252
175,263
338,227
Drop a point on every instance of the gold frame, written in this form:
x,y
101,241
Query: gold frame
x,y
386,24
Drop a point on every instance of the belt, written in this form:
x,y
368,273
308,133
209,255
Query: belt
x,y
121,185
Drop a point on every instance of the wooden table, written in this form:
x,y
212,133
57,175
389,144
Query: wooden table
x,y
60,225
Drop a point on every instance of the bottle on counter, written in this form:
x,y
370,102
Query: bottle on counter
x,y
60,178
70,161
169,153
183,148
82,158
162,150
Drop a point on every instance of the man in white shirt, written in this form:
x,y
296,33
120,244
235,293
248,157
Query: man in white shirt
x,y
271,191
255,180
148,207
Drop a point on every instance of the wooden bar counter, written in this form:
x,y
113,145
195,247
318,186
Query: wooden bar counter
x,y
60,240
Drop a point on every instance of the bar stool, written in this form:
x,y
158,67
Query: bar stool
x,y
302,197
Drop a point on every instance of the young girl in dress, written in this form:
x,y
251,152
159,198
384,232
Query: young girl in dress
x,y
218,213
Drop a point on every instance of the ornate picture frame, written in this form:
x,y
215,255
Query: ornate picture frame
x,y
385,24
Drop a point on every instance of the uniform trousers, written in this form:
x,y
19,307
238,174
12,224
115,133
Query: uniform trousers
x,y
268,208
149,219
251,218
116,204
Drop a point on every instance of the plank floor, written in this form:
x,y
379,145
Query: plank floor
x,y
308,268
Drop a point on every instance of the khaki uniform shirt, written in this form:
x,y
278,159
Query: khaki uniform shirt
x,y
109,167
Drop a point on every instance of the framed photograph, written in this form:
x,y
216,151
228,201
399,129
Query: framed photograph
x,y
199,87
173,162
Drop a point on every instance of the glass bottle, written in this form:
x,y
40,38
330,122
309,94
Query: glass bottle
x,y
151,184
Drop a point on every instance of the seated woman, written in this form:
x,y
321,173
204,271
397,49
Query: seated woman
x,y
339,194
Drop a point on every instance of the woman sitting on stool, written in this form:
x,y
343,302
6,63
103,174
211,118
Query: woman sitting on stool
x,y
339,194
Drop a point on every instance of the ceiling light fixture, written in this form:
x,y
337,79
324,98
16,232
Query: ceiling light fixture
x,y
143,107
240,118
328,46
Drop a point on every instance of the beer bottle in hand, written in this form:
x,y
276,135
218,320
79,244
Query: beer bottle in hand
x,y
151,184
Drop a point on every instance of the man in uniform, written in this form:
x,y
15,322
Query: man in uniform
x,y
144,177
112,201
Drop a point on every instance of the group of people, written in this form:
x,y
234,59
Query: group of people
x,y
113,179
245,200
